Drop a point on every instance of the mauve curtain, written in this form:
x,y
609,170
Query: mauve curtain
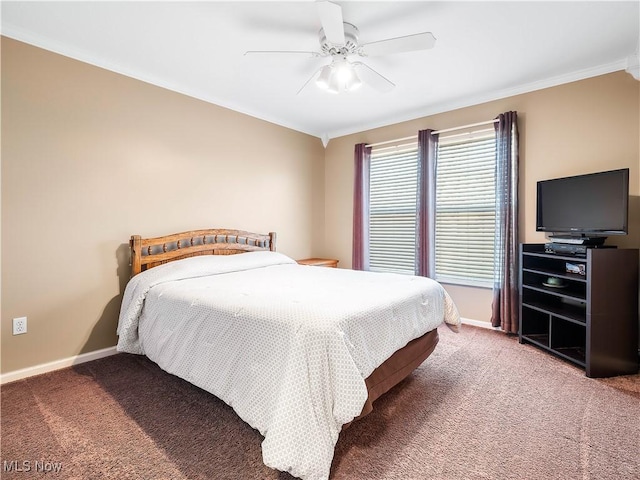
x,y
360,252
425,203
504,308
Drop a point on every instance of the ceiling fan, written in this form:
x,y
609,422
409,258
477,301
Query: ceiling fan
x,y
339,40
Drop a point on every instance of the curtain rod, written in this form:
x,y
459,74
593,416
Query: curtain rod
x,y
414,137
452,129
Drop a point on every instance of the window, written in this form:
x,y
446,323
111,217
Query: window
x,y
465,208
393,180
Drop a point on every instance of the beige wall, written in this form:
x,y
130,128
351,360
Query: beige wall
x,y
581,127
90,157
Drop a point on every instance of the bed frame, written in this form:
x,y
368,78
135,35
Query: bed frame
x,y
150,252
147,253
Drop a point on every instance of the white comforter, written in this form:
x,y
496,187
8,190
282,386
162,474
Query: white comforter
x,y
286,346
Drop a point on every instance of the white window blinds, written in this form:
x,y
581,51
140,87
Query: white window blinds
x,y
392,208
465,209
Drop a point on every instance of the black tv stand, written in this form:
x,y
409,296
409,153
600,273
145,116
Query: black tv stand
x,y
578,240
589,319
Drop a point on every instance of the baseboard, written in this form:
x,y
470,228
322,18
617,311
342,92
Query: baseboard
x,y
477,323
56,365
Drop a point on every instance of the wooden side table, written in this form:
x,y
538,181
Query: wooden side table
x,y
319,262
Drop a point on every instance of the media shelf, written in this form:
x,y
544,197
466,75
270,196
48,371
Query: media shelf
x,y
590,320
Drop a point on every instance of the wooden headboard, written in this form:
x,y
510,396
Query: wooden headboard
x,y
147,253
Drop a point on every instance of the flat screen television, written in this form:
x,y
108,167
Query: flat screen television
x,y
590,206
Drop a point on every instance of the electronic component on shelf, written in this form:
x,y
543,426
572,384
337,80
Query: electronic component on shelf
x,y
571,249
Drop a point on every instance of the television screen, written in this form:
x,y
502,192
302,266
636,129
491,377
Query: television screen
x,y
585,205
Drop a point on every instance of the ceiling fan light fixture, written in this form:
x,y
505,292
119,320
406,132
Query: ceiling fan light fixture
x,y
334,82
339,76
324,79
343,70
353,82
347,77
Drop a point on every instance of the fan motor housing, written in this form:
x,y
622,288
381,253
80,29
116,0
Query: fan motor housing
x,y
350,38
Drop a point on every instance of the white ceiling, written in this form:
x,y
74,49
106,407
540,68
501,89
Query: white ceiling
x,y
484,51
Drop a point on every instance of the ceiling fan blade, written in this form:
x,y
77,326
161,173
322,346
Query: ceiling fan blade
x,y
307,82
369,76
410,43
331,19
283,52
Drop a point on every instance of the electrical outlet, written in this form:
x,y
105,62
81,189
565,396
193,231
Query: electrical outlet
x,y
19,325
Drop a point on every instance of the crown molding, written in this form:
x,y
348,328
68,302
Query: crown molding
x,y
633,66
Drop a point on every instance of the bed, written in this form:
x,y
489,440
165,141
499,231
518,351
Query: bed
x,y
299,352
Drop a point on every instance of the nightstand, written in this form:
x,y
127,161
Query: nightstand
x,y
319,262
